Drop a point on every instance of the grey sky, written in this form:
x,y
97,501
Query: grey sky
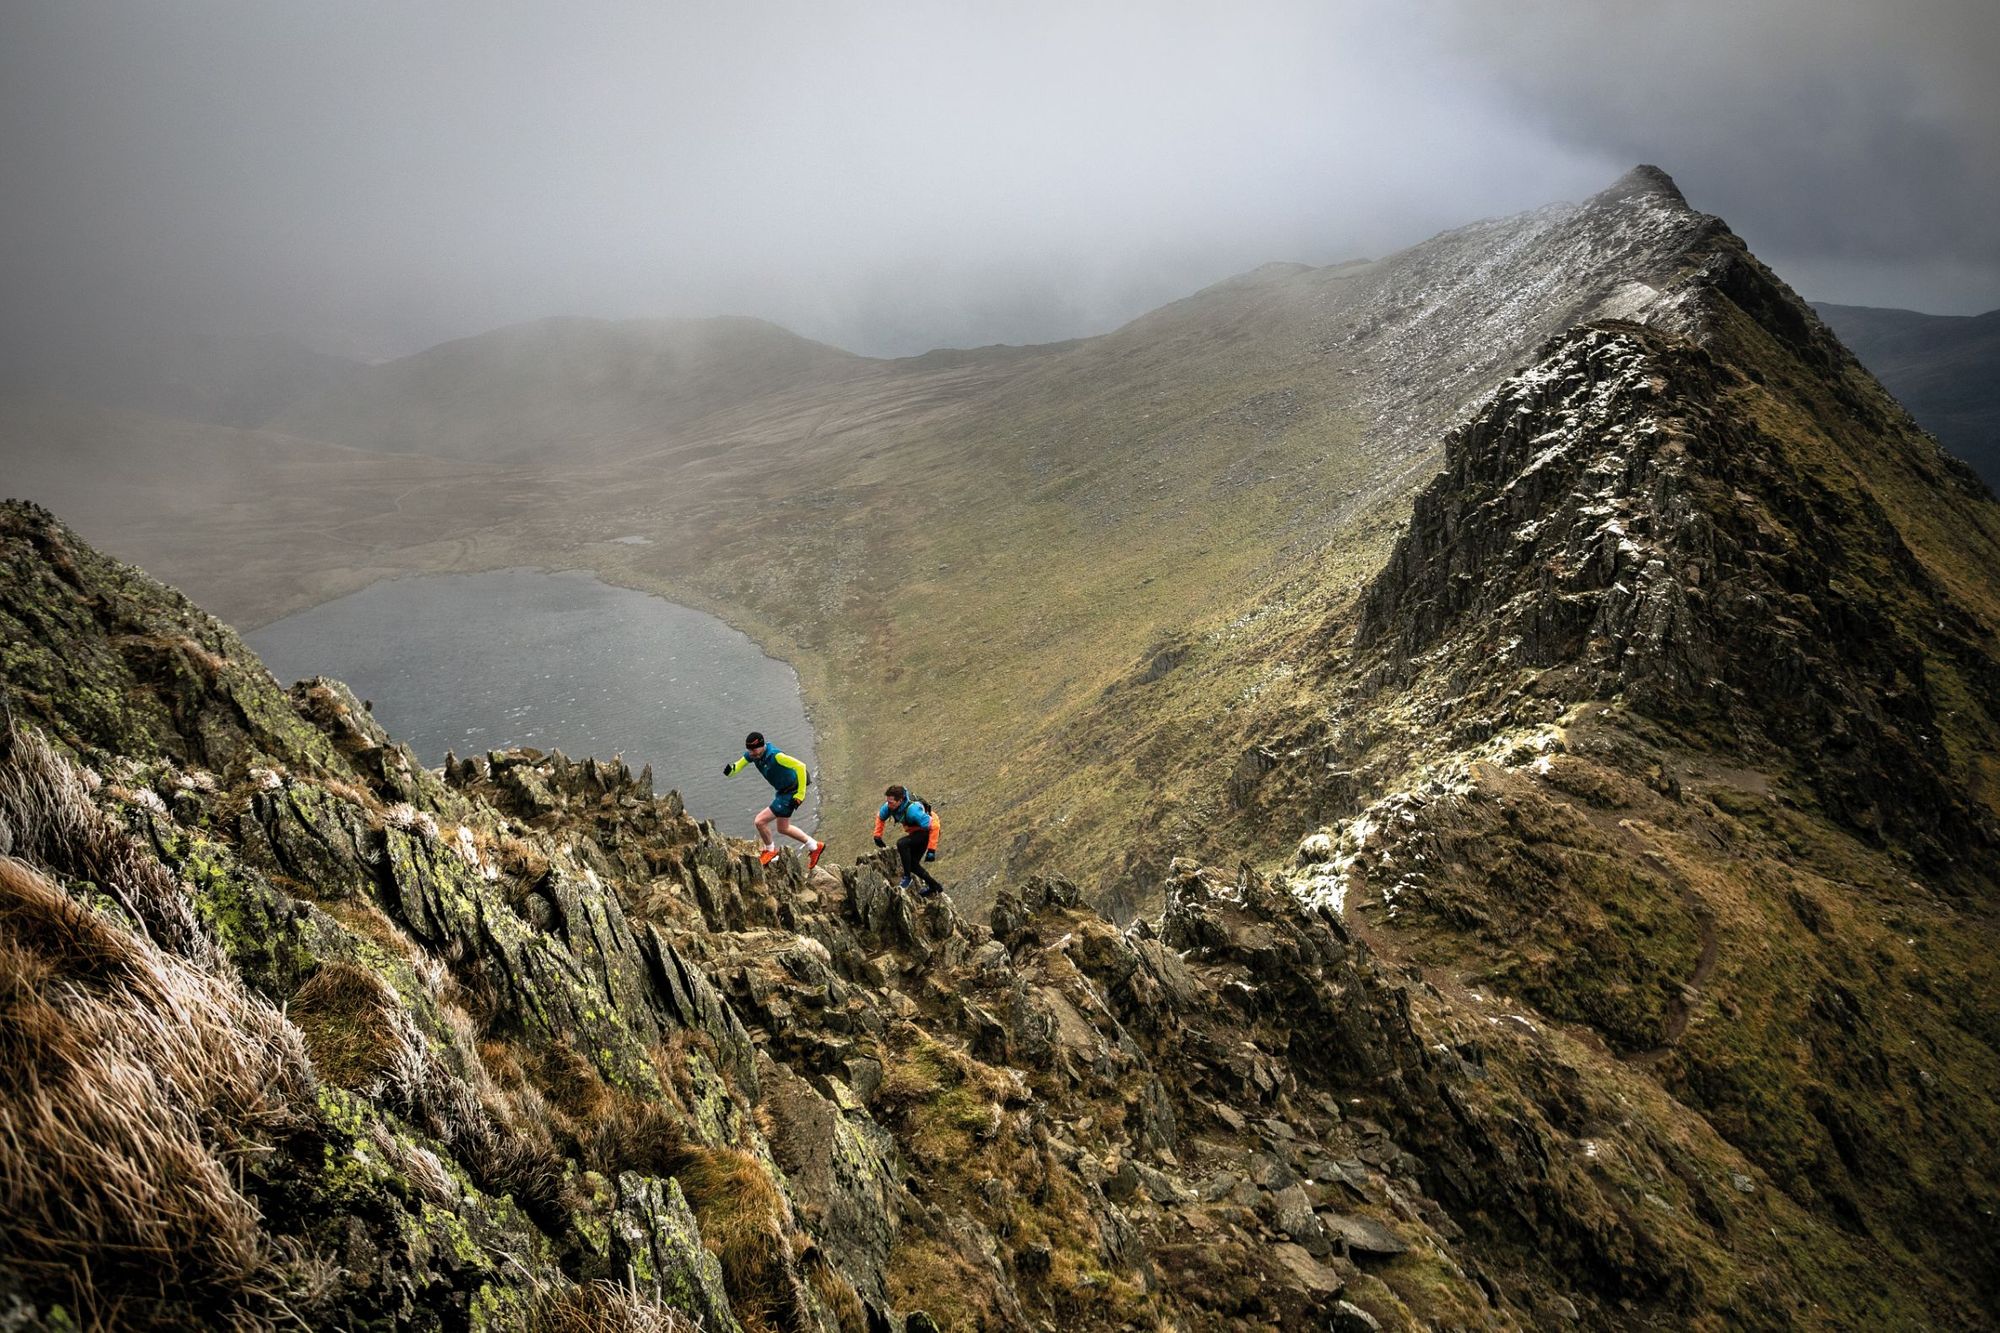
x,y
372,176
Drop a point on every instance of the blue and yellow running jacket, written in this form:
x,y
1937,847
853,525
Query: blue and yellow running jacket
x,y
786,775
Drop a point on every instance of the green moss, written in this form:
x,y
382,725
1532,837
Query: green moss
x,y
590,1218
717,1116
342,1110
258,927
495,1308
1435,1291
448,1230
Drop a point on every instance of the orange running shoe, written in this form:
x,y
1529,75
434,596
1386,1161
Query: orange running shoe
x,y
768,855
812,862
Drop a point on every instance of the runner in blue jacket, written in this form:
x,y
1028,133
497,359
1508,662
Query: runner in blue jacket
x,y
788,778
920,835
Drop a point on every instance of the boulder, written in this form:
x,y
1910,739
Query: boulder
x,y
1351,1318
1364,1235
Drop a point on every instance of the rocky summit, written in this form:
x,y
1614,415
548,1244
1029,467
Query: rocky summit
x,y
1639,974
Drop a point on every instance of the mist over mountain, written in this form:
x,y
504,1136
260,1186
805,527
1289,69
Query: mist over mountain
x,y
225,380
387,178
555,381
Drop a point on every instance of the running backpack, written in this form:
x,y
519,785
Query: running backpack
x,y
912,796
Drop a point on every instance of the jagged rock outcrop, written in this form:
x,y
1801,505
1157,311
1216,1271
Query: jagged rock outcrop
x,y
516,1062
1613,522
1672,715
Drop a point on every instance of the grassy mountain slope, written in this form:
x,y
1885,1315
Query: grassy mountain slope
x,y
1674,715
955,556
1072,592
1681,700
1944,368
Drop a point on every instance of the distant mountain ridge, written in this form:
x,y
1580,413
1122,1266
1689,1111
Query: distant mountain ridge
x,y
533,386
1944,368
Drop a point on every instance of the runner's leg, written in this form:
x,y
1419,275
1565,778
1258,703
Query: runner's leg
x,y
910,849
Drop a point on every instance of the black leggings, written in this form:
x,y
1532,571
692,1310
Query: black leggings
x,y
910,850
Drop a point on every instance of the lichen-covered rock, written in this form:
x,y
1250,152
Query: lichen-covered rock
x,y
656,1241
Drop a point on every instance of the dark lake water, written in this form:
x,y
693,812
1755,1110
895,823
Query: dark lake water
x,y
477,662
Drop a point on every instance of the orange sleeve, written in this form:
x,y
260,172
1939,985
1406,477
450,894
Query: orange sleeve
x,y
879,825
934,832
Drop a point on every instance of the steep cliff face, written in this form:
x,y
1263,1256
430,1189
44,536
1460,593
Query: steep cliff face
x,y
1848,517
1614,525
1674,714
1671,722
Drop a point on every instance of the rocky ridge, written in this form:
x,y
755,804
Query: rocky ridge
x,y
523,1044
1606,524
510,1050
1672,714
1669,723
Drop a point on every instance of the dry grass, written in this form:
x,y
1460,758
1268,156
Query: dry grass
x,y
209,663
500,1133
364,1038
519,857
348,1018
744,1223
835,1292
44,800
361,797
943,1099
131,1086
633,1134
136,1073
929,1274
602,1307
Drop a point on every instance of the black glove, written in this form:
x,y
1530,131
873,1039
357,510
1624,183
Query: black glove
x,y
930,856
880,843
725,769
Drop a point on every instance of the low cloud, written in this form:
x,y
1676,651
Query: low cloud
x,y
374,176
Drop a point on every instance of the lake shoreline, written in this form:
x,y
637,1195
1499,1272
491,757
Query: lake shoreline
x,y
625,671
